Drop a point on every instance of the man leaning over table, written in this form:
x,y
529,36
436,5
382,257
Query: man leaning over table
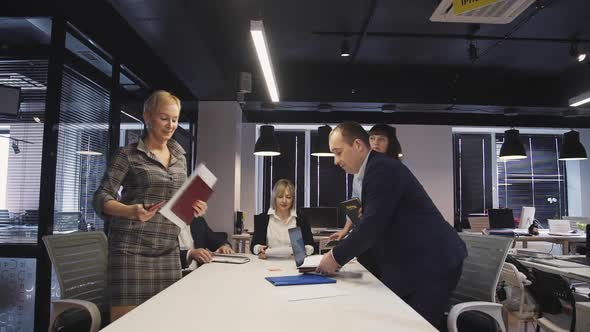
x,y
419,255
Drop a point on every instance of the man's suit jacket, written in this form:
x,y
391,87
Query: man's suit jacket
x,y
261,226
408,237
203,237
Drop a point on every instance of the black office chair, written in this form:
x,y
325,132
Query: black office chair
x,y
553,292
220,236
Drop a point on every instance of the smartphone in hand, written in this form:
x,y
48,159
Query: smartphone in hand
x,y
156,206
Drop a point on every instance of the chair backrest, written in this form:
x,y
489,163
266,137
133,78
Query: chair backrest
x,y
80,263
478,224
510,276
481,268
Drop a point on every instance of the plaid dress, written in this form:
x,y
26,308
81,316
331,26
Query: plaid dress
x,y
143,257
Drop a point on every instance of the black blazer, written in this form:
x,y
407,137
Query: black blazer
x,y
261,225
203,237
401,228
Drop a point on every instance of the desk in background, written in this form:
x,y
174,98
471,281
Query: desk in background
x,y
241,242
205,300
581,272
544,236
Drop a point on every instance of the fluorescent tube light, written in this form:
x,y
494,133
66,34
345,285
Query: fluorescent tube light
x,y
257,31
580,100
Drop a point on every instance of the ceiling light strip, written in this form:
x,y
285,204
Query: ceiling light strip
x,y
580,100
259,38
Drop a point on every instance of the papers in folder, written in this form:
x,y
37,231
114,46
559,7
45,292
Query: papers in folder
x,y
301,279
310,264
230,258
199,186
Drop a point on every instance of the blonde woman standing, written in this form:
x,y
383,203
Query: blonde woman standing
x,y
143,245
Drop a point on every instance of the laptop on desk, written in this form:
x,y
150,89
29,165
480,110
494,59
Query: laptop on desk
x,y
303,262
560,227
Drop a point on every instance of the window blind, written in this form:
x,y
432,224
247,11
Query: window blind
x,y
289,165
82,151
539,181
329,184
23,169
473,174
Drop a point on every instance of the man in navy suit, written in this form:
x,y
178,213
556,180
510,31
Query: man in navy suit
x,y
198,243
419,254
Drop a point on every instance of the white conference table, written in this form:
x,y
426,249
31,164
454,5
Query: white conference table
x,y
232,297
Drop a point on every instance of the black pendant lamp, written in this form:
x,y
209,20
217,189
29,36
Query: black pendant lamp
x,y
267,144
397,147
572,149
512,148
321,146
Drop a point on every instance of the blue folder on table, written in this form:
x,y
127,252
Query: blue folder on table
x,y
301,279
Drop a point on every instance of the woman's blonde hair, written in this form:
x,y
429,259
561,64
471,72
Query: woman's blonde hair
x,y
158,98
280,187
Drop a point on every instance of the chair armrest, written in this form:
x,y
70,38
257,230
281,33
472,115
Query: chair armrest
x,y
492,309
59,306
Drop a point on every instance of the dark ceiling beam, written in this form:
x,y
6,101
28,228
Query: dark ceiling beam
x,y
422,118
364,27
417,84
98,20
448,37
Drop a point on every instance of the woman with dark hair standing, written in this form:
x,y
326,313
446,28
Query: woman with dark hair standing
x,y
383,139
143,245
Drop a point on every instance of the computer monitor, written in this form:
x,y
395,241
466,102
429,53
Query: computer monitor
x,y
527,214
9,100
501,218
321,217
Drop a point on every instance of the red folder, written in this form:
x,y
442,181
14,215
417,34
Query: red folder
x,y
198,187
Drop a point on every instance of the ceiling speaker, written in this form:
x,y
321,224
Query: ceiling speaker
x,y
245,84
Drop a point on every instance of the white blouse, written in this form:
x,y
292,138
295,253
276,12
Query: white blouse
x,y
277,232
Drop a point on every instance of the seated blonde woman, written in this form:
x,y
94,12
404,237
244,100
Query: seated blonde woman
x,y
271,229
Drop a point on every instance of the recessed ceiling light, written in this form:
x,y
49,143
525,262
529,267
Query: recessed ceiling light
x,y
325,107
388,108
510,112
344,49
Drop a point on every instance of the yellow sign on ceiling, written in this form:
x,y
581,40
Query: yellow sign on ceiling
x,y
462,6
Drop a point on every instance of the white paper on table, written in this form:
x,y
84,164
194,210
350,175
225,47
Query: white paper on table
x,y
311,261
279,252
308,292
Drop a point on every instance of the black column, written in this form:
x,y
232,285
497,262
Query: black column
x,y
48,169
114,119
194,123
